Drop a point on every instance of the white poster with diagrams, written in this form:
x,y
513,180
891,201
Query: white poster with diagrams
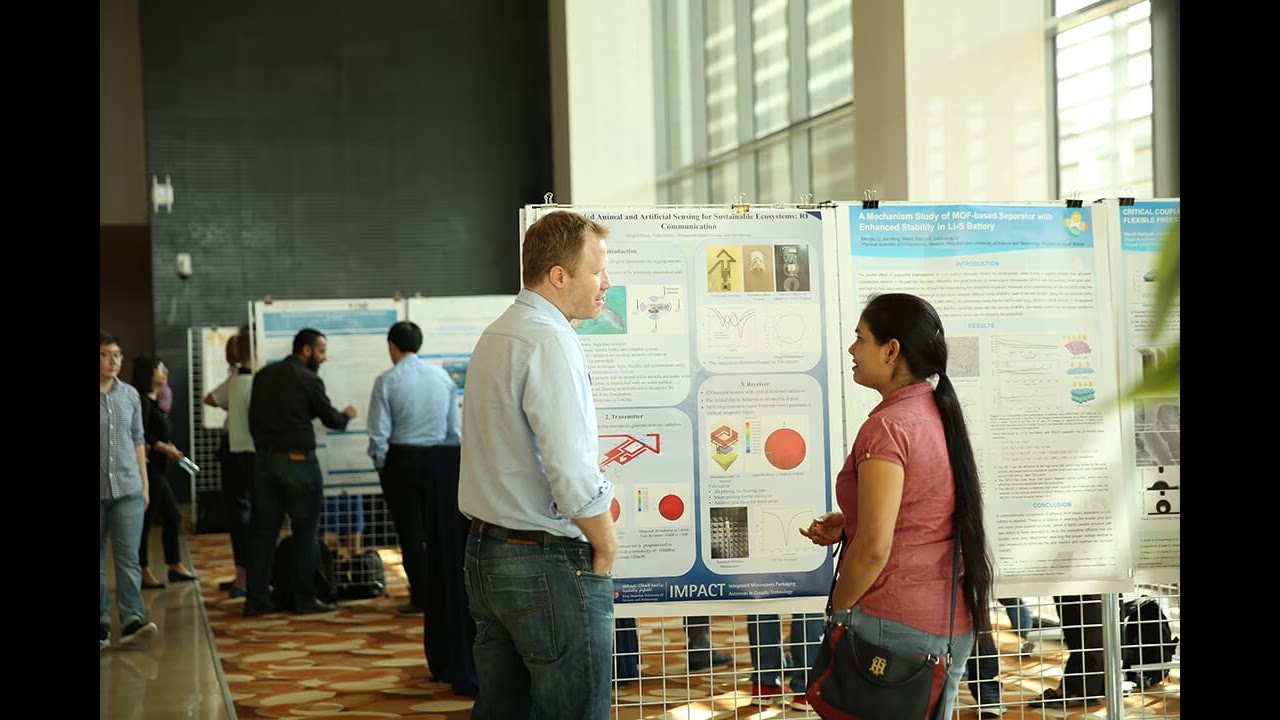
x,y
1023,294
450,328
1151,425
716,402
356,336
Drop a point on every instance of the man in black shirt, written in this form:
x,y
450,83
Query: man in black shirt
x,y
286,397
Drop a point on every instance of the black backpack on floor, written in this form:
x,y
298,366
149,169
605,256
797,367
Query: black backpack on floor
x,y
282,573
360,577
1146,639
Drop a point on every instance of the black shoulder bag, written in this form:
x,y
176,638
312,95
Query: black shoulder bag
x,y
858,680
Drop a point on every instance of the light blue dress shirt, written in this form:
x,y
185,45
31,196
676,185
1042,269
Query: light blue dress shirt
x,y
531,450
413,403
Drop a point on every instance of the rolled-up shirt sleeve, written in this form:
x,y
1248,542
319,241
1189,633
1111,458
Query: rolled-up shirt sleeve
x,y
136,430
557,402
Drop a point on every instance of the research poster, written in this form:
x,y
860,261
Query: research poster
x,y
1151,425
356,335
1023,294
450,328
716,401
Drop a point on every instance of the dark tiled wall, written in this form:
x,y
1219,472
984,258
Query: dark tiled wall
x,y
338,149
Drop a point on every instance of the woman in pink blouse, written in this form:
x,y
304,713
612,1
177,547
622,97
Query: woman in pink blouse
x,y
908,490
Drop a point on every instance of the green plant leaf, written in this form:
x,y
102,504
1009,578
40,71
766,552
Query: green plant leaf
x,y
1163,380
1168,273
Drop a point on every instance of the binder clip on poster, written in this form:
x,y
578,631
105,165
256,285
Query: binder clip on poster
x,y
869,201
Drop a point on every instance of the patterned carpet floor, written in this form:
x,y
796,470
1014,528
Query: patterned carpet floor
x,y
365,662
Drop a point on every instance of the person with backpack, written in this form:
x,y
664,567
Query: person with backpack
x,y
286,397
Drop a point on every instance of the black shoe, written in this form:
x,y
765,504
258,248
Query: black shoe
x,y
1038,621
104,636
254,610
175,576
138,633
319,606
151,586
226,585
1055,698
703,659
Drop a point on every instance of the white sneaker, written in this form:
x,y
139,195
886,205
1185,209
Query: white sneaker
x,y
104,637
992,711
138,632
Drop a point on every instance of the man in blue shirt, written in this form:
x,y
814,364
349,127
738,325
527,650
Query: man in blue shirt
x,y
414,428
539,558
123,495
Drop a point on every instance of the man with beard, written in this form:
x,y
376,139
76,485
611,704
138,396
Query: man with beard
x,y
286,397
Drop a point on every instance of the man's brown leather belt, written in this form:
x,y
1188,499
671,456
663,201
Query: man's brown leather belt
x,y
519,537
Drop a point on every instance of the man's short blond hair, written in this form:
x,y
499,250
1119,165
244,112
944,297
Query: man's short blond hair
x,y
556,238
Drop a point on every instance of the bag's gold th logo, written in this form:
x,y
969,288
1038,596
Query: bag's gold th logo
x,y
878,665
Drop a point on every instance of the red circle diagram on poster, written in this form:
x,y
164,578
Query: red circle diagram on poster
x,y
784,449
615,509
671,507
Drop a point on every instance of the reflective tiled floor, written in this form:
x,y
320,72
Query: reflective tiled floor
x,y
177,675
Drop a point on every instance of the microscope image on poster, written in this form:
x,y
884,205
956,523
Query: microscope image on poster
x,y
1161,490
1157,421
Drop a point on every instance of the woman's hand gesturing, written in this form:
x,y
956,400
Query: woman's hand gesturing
x,y
825,530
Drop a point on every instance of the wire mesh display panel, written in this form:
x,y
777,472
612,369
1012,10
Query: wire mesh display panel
x,y
658,676
203,444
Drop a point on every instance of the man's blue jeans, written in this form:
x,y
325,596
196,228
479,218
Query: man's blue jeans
x,y
283,482
764,633
544,629
121,520
1019,615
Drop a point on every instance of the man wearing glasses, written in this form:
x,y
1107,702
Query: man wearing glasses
x,y
123,496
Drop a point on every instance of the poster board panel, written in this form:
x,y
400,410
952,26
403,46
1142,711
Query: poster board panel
x,y
716,402
1023,294
356,335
